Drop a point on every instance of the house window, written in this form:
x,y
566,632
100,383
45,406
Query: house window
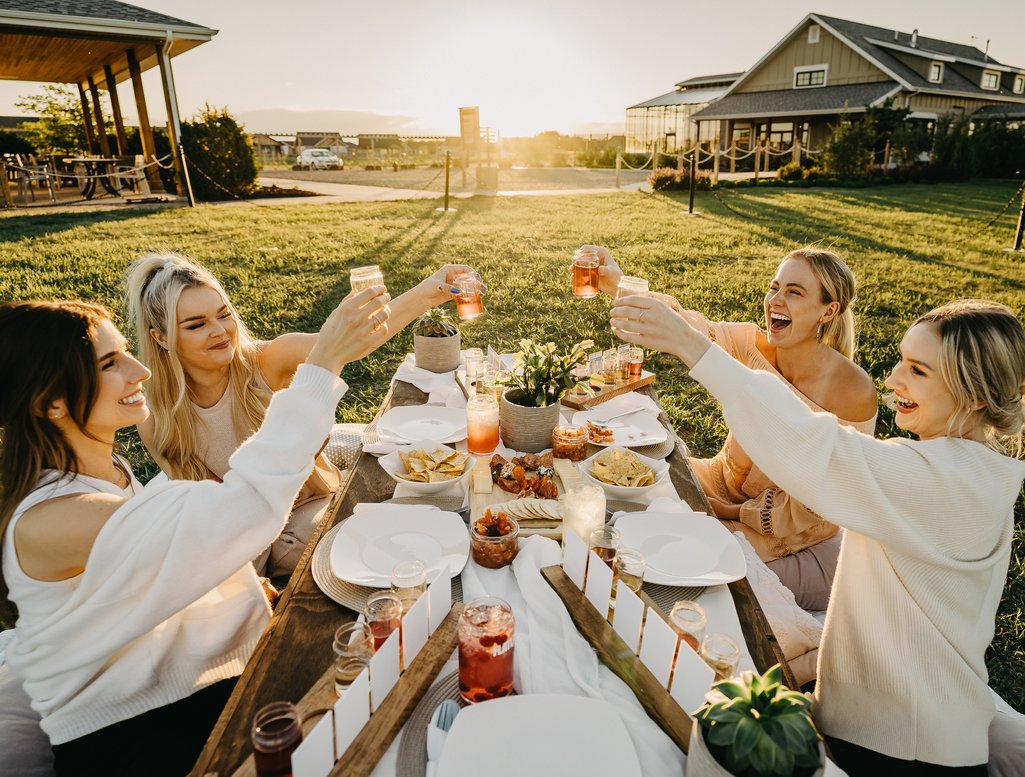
x,y
809,76
935,72
813,33
1019,83
990,80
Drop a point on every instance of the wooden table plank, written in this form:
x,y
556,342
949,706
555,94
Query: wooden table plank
x,y
296,647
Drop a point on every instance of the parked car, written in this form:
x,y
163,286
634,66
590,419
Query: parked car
x,y
317,159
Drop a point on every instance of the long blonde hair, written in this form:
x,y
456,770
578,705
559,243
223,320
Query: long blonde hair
x,y
837,286
982,362
154,285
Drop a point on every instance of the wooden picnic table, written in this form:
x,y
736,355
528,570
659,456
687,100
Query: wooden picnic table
x,y
295,649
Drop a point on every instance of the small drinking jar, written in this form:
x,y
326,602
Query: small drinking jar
x,y
486,636
629,284
609,366
469,303
569,442
583,510
635,364
408,582
353,648
605,542
595,364
628,566
688,620
364,277
722,653
383,612
277,731
623,363
585,273
482,415
474,365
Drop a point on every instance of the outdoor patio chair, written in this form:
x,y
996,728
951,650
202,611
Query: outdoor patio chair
x,y
28,172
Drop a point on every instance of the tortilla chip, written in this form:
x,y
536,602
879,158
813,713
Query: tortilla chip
x,y
622,468
434,466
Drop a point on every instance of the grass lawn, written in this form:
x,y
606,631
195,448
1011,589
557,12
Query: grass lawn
x,y
912,247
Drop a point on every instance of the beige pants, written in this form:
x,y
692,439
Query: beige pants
x,y
280,558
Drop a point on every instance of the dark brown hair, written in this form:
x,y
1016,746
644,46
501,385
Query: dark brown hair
x,y
46,354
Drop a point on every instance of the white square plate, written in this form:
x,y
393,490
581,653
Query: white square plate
x,y
424,423
565,735
629,431
685,550
370,543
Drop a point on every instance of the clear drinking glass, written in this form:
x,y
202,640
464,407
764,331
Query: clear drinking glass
x,y
689,621
474,365
469,303
408,582
585,273
277,731
636,363
486,631
605,542
353,648
364,277
628,566
595,364
722,653
482,424
630,284
623,363
609,366
383,612
583,510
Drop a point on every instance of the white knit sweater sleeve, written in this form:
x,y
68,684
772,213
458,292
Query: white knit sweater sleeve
x,y
905,494
179,539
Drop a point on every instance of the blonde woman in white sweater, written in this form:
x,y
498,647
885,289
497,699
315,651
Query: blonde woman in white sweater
x,y
901,676
137,607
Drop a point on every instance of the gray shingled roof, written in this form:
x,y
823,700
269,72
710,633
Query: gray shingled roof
x,y
1005,111
818,100
691,96
98,9
718,78
953,81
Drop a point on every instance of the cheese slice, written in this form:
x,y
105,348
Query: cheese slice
x,y
482,476
568,473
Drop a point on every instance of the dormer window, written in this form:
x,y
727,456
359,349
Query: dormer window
x,y
813,33
935,72
809,76
1019,83
990,80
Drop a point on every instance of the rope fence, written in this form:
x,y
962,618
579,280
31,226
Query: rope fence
x,y
123,172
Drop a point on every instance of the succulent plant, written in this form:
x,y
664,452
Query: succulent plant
x,y
435,323
543,375
757,727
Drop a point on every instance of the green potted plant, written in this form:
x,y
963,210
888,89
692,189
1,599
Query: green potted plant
x,y
530,406
436,341
754,726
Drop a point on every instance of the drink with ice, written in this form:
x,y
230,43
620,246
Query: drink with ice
x,y
486,631
482,416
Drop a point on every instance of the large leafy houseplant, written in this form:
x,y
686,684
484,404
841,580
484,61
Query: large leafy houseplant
x,y
540,375
754,726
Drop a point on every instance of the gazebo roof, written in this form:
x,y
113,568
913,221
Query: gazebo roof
x,y
92,33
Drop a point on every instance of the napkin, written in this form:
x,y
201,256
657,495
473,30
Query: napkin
x,y
631,400
425,380
457,489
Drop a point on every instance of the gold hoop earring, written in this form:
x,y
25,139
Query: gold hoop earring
x,y
821,331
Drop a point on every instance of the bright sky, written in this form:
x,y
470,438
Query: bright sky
x,y
531,65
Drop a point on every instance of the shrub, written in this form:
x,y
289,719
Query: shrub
x,y
669,178
791,171
998,151
220,155
951,147
848,151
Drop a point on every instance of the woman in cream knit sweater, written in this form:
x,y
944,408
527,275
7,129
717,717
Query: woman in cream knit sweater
x,y
901,677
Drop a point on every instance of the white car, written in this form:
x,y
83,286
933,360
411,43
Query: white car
x,y
318,159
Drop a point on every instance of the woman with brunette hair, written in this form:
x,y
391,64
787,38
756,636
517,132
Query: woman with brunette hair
x,y
902,677
212,381
137,608
809,344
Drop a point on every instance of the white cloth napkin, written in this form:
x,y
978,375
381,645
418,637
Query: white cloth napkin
x,y
552,657
631,400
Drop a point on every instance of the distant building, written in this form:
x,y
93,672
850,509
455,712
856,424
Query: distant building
x,y
270,148
332,141
826,67
14,123
666,119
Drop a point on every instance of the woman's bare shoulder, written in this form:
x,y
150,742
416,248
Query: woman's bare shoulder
x,y
853,394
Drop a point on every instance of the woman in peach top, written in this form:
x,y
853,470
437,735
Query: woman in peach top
x,y
809,344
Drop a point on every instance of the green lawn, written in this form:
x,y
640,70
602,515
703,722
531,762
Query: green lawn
x,y
912,247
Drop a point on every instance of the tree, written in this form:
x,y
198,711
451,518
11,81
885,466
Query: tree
x,y
220,155
60,128
848,151
11,143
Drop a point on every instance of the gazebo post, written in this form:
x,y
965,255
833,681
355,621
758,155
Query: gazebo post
x,y
115,107
149,147
174,129
87,120
101,130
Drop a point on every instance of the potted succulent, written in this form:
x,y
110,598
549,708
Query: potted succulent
x,y
530,406
754,726
436,341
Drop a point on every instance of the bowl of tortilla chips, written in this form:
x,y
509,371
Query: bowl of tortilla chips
x,y
622,473
427,467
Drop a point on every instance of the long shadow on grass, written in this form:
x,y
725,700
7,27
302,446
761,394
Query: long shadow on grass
x,y
787,226
20,227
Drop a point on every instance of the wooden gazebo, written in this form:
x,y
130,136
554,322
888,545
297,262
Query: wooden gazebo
x,y
96,44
